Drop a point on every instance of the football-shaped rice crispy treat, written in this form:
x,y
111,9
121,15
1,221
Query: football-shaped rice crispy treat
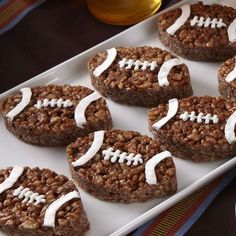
x,y
38,202
122,166
226,78
196,128
141,76
200,32
55,115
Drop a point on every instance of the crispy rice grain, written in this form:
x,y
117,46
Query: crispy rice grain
x,y
199,43
227,90
49,126
191,140
119,182
18,218
137,87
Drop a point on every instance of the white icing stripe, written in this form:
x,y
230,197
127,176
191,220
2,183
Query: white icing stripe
x,y
111,55
229,128
122,156
25,100
165,70
29,196
50,214
150,173
181,20
232,75
232,31
172,110
79,116
13,177
96,145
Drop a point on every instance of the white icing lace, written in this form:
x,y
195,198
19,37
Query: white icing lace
x,y
200,117
163,72
137,64
53,103
29,196
206,22
122,156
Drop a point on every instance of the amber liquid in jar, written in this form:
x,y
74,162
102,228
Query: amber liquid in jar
x,y
123,12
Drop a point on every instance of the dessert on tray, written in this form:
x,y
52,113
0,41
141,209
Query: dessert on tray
x,y
199,31
142,76
122,166
55,115
226,78
196,128
37,201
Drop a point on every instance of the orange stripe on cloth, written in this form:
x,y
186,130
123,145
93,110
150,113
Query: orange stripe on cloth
x,y
172,219
12,9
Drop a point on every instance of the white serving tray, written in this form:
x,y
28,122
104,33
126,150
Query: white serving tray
x,y
114,218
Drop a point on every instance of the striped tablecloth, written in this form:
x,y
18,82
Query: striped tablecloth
x,y
12,11
178,219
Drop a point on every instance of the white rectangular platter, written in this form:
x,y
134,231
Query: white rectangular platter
x,y
113,218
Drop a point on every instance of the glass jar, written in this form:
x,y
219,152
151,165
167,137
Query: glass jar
x,y
123,12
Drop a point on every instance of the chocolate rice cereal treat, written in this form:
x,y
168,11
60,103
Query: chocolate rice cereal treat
x,y
200,32
142,76
122,166
196,128
226,78
38,202
55,115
